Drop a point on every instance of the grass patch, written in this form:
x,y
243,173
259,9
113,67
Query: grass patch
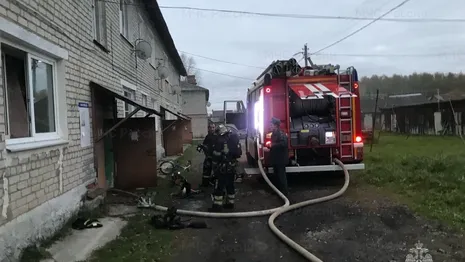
x,y
164,190
189,153
39,251
193,176
428,171
34,254
140,241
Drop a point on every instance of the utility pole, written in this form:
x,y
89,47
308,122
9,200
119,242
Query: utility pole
x,y
373,127
306,55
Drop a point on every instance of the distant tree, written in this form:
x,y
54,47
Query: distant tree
x,y
426,83
190,65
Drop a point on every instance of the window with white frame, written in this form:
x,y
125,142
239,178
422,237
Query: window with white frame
x,y
143,30
131,94
167,86
124,18
153,58
30,95
99,22
156,107
154,103
144,99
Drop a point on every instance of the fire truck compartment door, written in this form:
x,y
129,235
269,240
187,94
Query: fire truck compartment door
x,y
319,90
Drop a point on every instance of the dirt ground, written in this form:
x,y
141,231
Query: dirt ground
x,y
362,225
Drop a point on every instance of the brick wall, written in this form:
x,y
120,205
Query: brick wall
x,y
38,175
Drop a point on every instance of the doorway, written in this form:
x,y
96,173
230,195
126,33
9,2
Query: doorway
x,y
135,154
124,148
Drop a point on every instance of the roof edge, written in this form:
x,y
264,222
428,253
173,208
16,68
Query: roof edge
x,y
185,88
159,23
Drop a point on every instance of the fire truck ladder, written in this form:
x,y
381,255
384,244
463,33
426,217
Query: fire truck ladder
x,y
345,124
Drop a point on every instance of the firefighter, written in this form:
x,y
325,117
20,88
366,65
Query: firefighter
x,y
207,148
226,150
279,155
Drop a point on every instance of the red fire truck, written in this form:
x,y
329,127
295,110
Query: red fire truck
x,y
319,108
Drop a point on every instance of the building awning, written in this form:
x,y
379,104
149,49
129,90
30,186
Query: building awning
x,y
110,93
184,116
319,90
178,114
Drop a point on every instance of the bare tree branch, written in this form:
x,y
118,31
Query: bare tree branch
x,y
190,64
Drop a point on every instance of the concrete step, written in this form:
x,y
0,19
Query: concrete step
x,y
79,245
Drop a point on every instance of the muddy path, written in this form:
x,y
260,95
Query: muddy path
x,y
360,226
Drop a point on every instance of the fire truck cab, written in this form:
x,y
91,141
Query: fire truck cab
x,y
319,109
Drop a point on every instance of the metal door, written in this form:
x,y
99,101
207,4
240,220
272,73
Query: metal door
x,y
172,136
135,154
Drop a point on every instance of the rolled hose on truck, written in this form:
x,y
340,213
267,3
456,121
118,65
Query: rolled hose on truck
x,y
275,212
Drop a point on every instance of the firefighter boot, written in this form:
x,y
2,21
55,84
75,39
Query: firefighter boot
x,y
217,203
229,203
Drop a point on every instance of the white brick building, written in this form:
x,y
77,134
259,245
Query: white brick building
x,y
195,106
53,50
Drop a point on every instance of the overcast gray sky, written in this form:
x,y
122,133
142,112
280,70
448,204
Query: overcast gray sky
x,y
258,40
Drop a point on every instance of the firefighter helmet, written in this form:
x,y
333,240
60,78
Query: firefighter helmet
x,y
221,129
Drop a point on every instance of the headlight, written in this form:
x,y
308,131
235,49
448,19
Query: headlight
x,y
330,137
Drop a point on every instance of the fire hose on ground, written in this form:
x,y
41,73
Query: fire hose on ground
x,y
275,212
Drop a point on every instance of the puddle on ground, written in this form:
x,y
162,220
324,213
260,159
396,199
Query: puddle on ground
x,y
194,205
121,210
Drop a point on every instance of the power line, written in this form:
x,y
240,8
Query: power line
x,y
218,73
335,54
327,17
314,17
361,28
297,16
320,54
355,24
391,55
219,60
